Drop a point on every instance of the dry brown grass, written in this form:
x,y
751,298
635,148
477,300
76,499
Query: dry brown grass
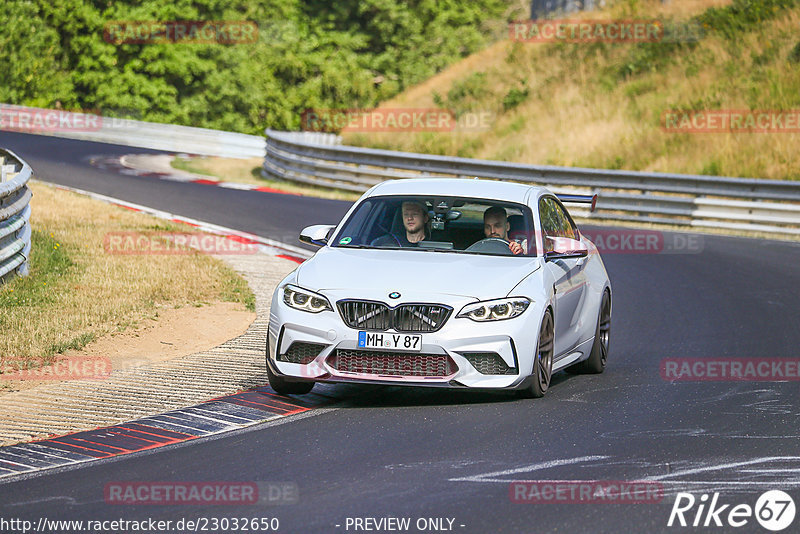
x,y
96,292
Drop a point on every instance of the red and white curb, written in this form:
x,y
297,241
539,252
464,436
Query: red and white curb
x,y
263,244
223,414
121,165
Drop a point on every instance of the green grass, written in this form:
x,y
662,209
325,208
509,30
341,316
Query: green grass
x,y
49,262
76,343
235,289
742,16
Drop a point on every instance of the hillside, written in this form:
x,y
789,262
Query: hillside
x,y
603,104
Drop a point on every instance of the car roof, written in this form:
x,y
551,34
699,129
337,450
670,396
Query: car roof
x,y
461,187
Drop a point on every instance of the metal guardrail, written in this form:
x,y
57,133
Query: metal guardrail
x,y
742,204
166,137
15,212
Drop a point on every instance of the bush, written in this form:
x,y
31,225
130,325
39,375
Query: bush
x,y
742,15
465,94
515,97
794,55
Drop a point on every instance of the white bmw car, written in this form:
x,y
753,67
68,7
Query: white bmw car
x,y
443,282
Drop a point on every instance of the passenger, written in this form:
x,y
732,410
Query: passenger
x,y
495,224
415,221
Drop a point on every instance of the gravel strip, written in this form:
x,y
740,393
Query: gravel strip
x,y
72,406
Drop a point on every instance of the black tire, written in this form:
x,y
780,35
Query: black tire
x,y
596,363
543,362
283,386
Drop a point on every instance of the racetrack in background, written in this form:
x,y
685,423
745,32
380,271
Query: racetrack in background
x,y
391,451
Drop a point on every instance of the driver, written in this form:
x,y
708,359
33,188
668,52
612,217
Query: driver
x,y
415,220
495,224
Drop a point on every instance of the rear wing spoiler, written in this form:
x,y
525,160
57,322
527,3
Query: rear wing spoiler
x,y
579,199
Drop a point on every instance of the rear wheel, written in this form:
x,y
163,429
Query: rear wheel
x,y
596,362
543,361
283,386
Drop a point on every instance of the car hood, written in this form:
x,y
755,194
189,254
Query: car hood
x,y
421,272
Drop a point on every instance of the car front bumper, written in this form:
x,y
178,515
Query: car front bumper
x,y
459,342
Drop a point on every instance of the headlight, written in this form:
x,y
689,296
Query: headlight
x,y
303,299
495,310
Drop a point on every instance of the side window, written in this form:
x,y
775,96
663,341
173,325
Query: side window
x,y
555,222
365,224
356,223
549,222
565,223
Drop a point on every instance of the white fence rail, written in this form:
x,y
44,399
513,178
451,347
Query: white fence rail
x,y
15,212
741,204
128,132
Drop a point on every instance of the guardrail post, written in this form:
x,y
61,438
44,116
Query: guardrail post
x,y
15,210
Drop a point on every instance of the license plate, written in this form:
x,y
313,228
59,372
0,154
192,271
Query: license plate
x,y
379,340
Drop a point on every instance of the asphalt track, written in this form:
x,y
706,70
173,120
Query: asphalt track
x,y
424,453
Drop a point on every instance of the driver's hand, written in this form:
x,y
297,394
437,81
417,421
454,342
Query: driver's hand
x,y
515,247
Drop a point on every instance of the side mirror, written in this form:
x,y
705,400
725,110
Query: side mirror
x,y
565,248
316,235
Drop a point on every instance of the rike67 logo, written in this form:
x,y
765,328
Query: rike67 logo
x,y
774,510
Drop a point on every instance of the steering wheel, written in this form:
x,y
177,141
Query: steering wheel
x,y
491,245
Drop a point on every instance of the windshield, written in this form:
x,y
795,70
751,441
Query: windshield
x,y
444,224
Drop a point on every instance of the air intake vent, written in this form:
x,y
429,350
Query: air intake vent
x,y
489,363
392,363
301,352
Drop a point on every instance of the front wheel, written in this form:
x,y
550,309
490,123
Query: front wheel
x,y
284,387
543,360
